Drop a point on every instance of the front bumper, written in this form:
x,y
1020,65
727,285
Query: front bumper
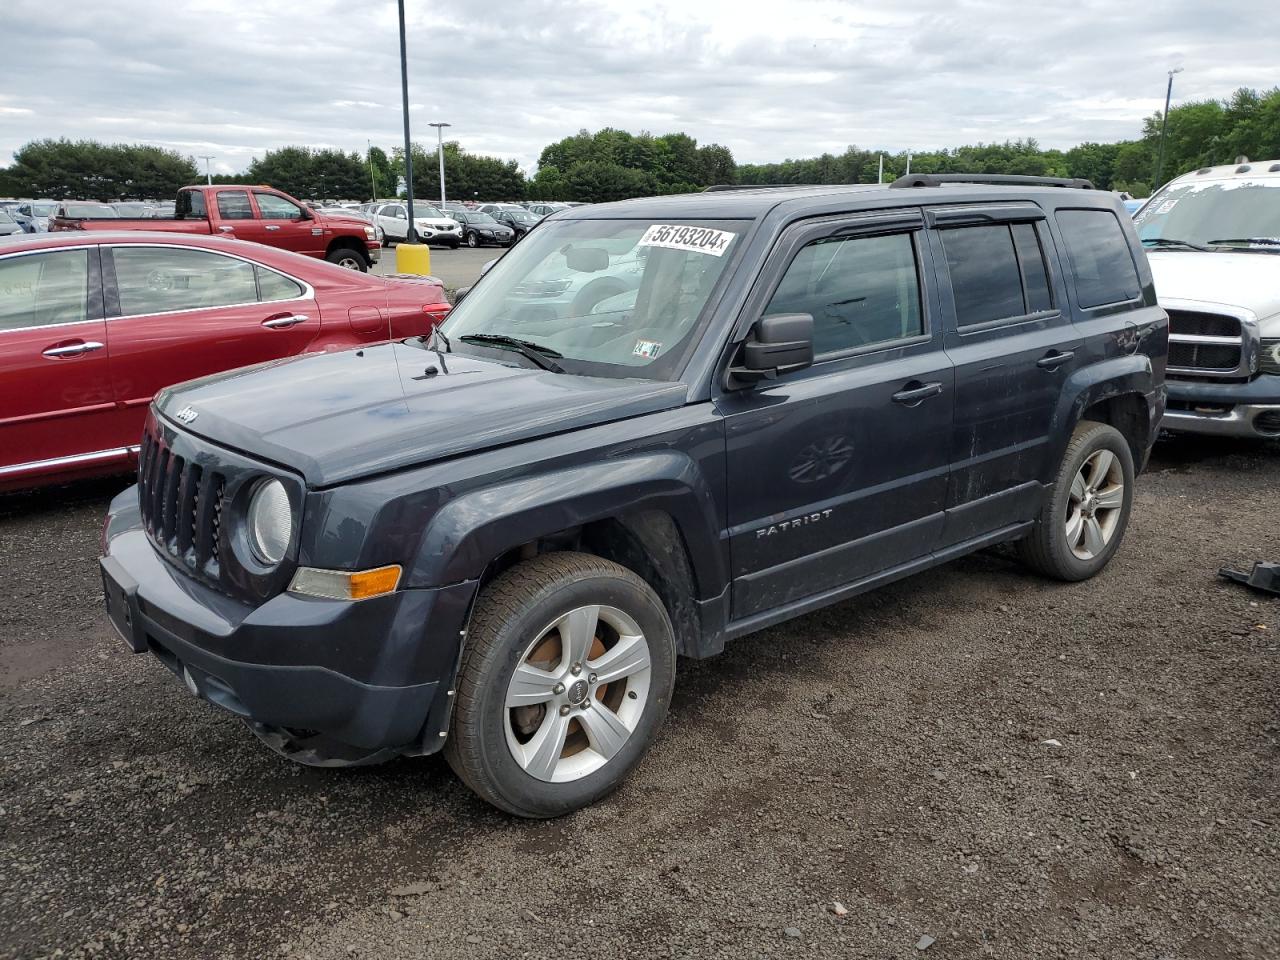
x,y
375,253
1250,409
375,674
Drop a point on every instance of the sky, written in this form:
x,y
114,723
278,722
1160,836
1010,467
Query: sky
x,y
794,78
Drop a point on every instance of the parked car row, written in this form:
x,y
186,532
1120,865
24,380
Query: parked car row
x,y
93,325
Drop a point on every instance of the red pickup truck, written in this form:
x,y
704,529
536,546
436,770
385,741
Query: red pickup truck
x,y
260,214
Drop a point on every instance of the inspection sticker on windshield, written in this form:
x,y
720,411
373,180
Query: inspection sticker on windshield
x,y
695,239
646,348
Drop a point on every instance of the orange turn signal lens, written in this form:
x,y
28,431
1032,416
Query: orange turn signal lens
x,y
342,585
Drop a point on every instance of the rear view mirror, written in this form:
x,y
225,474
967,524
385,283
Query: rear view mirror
x,y
587,259
778,344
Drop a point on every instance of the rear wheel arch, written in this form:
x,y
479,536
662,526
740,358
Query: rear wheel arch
x,y
1130,414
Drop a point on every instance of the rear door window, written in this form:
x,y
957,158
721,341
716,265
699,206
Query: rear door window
x,y
985,279
234,205
165,279
1100,257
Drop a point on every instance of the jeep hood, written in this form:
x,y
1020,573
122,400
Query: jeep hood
x,y
335,417
1248,280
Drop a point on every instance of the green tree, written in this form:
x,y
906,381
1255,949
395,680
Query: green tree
x,y
88,170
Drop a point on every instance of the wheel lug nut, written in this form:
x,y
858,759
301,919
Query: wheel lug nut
x,y
558,689
576,669
586,703
564,711
591,679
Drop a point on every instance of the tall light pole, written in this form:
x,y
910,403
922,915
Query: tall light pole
x,y
440,155
411,235
1164,126
373,181
208,177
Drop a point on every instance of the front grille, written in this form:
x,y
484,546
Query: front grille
x,y
1204,356
1204,344
1196,324
181,504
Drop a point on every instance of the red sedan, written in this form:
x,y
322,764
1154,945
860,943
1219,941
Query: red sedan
x,y
93,325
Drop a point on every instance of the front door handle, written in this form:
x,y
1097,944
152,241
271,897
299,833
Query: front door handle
x,y
916,392
225,229
290,320
272,226
72,349
1054,360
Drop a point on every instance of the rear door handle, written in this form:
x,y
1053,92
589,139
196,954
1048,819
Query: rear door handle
x,y
272,226
1054,360
916,392
72,349
289,320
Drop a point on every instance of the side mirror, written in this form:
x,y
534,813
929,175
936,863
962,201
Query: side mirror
x,y
778,344
587,259
459,294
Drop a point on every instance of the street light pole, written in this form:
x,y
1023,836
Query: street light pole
x,y
411,235
208,177
440,155
1164,126
373,181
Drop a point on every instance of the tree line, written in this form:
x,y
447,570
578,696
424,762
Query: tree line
x,y
613,164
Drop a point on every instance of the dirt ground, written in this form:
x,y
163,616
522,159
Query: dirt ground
x,y
970,763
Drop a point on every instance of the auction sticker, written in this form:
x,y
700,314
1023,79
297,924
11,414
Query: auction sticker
x,y
646,348
695,239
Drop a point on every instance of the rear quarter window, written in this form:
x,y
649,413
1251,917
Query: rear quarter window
x,y
1100,257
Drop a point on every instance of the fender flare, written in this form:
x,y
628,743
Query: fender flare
x,y
1086,386
469,532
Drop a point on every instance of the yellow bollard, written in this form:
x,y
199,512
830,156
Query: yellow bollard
x,y
413,258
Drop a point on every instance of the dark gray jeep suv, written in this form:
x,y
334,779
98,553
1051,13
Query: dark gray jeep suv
x,y
652,427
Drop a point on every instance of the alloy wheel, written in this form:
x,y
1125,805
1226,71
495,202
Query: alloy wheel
x,y
577,694
1095,504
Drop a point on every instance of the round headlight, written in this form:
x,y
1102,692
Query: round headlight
x,y
270,523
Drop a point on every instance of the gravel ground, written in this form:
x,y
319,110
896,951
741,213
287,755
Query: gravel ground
x,y
970,763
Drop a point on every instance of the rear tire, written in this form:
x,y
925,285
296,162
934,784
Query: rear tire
x,y
348,258
1086,512
563,747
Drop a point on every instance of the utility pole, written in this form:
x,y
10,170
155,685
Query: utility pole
x,y
411,235
1164,126
440,155
208,177
880,174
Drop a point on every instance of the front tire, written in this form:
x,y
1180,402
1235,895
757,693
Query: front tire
x,y
473,240
564,683
348,258
1086,512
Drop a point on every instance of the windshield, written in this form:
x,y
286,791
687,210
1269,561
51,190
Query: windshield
x,y
1212,210
618,298
422,211
44,209
481,218
132,209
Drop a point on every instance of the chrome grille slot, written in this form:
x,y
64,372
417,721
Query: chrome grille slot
x,y
1206,345
181,505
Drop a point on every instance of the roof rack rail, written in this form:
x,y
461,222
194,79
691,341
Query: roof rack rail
x,y
938,179
723,187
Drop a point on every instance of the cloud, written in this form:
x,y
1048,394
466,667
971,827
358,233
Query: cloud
x,y
234,79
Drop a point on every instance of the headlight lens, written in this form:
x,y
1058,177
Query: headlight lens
x,y
270,523
370,233
1270,360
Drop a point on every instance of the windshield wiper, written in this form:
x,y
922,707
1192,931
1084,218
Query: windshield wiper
x,y
1171,242
1260,241
437,332
534,352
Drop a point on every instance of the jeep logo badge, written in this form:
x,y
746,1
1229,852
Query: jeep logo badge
x,y
186,414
